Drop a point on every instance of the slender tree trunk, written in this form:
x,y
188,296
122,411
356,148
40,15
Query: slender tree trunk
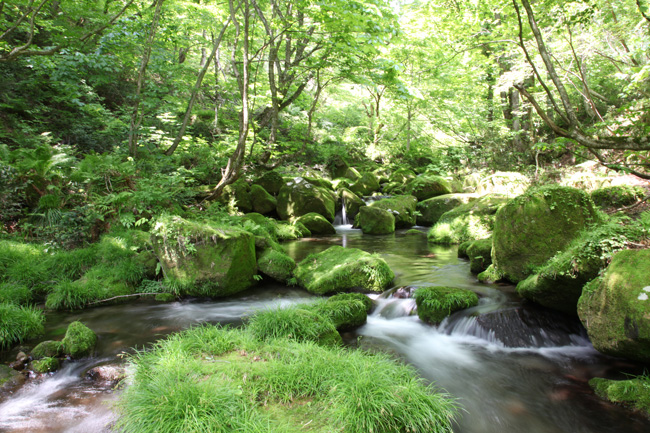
x,y
137,114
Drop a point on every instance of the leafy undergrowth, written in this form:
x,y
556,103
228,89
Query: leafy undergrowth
x,y
211,379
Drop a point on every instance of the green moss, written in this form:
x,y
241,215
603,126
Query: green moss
x,y
490,275
204,259
436,303
430,210
615,309
18,324
533,227
375,221
402,207
352,202
462,250
79,340
316,224
617,196
365,300
415,232
46,349
9,377
276,264
301,230
236,197
320,182
271,181
45,365
633,393
300,197
480,255
402,176
428,185
262,202
366,185
339,269
165,297
467,222
294,323
347,311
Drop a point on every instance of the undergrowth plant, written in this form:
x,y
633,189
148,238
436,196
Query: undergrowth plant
x,y
19,323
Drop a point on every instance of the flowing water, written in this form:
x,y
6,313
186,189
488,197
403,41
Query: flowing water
x,y
512,367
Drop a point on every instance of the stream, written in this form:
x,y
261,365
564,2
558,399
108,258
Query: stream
x,y
513,367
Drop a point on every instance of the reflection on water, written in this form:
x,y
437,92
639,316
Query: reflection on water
x,y
513,368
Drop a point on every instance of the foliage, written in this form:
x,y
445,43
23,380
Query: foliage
x,y
18,324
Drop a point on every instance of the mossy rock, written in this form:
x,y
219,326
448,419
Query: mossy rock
x,y
394,188
339,269
402,176
338,167
436,303
320,182
432,209
467,222
45,365
300,197
490,275
364,299
302,229
203,259
462,250
375,221
480,255
414,232
352,203
271,181
366,185
427,186
79,340
632,393
615,309
236,197
9,377
46,349
262,202
345,314
617,196
276,264
402,207
533,227
317,224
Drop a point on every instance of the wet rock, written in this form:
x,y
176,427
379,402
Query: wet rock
x,y
79,340
403,292
317,224
375,221
9,377
21,361
110,374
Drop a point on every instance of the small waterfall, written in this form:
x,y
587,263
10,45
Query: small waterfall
x,y
341,217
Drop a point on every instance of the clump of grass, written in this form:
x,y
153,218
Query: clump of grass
x,y
633,392
18,324
436,303
275,385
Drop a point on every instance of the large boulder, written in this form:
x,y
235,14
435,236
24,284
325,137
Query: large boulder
x,y
79,340
338,167
533,227
426,186
467,222
204,259
46,349
366,185
271,181
236,197
402,207
375,221
615,309
480,255
432,209
317,224
262,202
339,269
402,176
436,303
351,202
300,197
276,264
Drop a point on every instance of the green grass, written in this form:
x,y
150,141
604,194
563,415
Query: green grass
x,y
210,379
634,392
18,324
436,303
296,323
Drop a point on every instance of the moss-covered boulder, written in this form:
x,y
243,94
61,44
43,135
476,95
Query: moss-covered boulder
x,y
338,167
236,197
432,209
436,303
461,253
490,275
375,221
617,196
533,227
46,349
366,185
276,264
45,365
339,269
262,202
320,182
480,255
79,340
402,207
271,181
346,310
402,176
204,259
615,309
351,202
467,222
300,197
317,224
558,283
427,186
632,393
